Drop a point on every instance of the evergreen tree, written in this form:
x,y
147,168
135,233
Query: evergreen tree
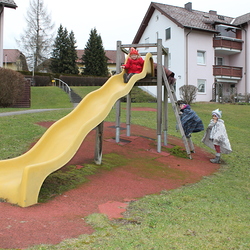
x,y
94,56
64,54
72,54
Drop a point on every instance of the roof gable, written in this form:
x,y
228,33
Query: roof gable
x,y
184,18
110,54
11,55
242,19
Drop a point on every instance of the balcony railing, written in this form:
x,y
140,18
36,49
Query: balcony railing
x,y
227,71
227,43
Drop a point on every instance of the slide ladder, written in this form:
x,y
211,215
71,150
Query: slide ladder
x,y
173,99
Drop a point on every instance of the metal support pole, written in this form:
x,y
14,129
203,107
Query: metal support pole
x,y
98,144
159,93
1,33
128,117
118,120
118,103
165,116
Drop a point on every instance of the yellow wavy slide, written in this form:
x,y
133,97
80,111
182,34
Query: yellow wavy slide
x,y
21,178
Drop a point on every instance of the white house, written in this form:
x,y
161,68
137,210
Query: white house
x,y
3,4
207,50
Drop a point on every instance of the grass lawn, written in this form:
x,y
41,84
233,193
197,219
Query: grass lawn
x,y
211,214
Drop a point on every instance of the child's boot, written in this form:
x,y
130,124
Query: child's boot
x,y
216,159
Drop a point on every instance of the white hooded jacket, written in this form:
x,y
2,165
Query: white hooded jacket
x,y
216,134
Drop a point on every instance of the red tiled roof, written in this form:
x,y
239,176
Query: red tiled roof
x,y
185,18
242,19
11,55
110,54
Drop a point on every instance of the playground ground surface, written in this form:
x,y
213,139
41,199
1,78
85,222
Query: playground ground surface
x,y
108,192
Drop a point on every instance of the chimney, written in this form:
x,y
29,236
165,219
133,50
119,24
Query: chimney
x,y
188,6
213,12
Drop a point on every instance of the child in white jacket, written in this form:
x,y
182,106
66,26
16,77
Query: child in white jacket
x,y
216,136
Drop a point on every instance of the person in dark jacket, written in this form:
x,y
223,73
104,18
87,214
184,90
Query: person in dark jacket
x,y
190,121
170,75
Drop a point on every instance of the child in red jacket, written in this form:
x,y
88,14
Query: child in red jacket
x,y
134,64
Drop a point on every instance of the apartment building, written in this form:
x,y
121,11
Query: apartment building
x,y
206,49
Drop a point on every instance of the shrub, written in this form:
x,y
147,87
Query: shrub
x,y
11,86
188,93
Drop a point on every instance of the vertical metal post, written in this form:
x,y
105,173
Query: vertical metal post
x,y
118,103
1,33
128,111
165,112
165,117
159,93
118,56
98,144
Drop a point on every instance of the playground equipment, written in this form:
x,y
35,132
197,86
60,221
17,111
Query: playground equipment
x,y
168,92
21,178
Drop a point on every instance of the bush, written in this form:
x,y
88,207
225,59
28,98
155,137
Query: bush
x,y
84,81
139,96
12,86
188,93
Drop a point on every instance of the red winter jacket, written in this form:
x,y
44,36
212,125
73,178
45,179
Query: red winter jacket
x,y
134,66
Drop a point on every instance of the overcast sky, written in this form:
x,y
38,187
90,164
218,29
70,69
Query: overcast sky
x,y
114,20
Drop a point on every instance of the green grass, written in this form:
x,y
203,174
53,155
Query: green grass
x,y
49,97
70,177
45,97
137,94
82,91
211,214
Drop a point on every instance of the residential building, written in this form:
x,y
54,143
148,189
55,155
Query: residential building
x,y
206,49
14,59
110,54
8,4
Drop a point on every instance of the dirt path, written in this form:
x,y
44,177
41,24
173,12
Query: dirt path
x,y
108,192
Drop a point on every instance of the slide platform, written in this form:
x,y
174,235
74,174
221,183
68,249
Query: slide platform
x,y
21,177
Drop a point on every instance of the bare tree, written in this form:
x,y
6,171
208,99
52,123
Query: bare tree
x,y
188,93
36,41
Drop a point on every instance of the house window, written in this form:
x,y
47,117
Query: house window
x,y
168,33
201,57
219,60
228,31
169,60
201,85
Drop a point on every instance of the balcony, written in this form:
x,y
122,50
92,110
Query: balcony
x,y
227,73
227,46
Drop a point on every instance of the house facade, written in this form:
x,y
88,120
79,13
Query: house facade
x,y
207,50
14,59
4,4
111,60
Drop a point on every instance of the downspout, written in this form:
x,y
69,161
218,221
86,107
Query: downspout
x,y
246,63
187,55
1,34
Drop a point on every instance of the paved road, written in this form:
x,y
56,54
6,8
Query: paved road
x,y
25,112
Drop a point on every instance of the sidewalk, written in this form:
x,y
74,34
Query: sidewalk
x,y
26,112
